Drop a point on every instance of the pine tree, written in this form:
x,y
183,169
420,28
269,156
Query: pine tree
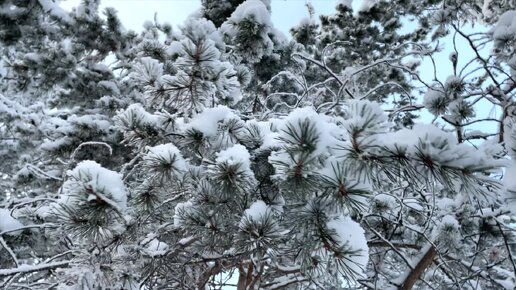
x,y
219,11
58,99
223,152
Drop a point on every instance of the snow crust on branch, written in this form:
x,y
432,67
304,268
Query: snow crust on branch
x,y
208,120
235,154
167,154
98,182
55,10
350,234
180,209
323,127
506,26
256,211
9,223
255,9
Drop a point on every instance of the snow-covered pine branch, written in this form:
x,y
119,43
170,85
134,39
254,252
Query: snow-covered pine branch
x,y
223,154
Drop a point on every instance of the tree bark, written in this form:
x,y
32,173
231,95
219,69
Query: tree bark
x,y
245,277
205,277
419,269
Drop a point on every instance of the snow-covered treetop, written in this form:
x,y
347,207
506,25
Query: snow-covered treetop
x,y
222,151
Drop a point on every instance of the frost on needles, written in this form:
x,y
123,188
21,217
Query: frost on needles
x,y
222,154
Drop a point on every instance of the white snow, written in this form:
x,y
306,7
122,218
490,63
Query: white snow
x,y
386,200
255,9
198,29
487,12
509,178
269,138
175,48
332,169
24,268
509,137
66,44
506,26
31,56
412,63
433,97
450,221
167,153
440,146
100,67
182,207
207,122
110,86
411,137
92,121
366,5
147,72
359,114
61,129
54,9
413,203
43,211
508,283
209,54
447,234
257,12
186,241
509,181
156,248
235,154
351,234
324,128
8,223
137,111
453,82
254,213
104,183
257,210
